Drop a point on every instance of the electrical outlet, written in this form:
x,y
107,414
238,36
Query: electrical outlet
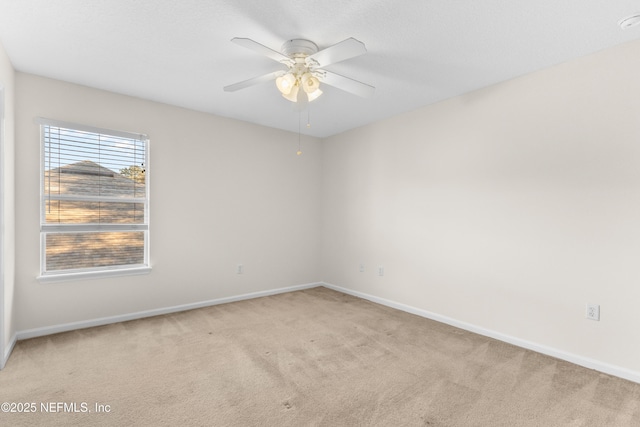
x,y
240,269
593,311
380,271
361,268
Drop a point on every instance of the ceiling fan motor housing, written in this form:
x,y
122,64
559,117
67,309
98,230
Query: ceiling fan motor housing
x,y
299,48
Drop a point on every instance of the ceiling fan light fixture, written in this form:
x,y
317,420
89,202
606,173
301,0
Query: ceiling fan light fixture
x,y
301,101
310,83
292,95
314,95
286,83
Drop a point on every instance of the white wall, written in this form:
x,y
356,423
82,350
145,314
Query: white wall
x,y
223,192
508,208
7,334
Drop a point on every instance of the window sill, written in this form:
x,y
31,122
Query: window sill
x,y
84,275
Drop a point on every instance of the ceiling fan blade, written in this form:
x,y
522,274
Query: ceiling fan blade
x,y
261,49
254,81
348,85
346,49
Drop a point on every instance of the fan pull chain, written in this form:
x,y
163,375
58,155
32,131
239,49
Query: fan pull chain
x,y
299,152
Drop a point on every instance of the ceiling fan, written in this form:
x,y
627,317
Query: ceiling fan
x,y
304,62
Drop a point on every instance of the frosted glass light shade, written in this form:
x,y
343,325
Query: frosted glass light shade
x,y
310,83
286,83
292,95
301,102
314,95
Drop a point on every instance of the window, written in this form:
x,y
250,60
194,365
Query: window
x,y
95,206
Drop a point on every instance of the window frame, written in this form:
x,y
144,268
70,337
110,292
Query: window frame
x,y
45,229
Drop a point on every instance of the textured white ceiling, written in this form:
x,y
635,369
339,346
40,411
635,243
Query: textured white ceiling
x,y
419,51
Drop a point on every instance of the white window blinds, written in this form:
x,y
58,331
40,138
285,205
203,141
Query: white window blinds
x,y
94,198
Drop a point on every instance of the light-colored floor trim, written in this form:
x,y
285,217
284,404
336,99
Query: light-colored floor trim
x,y
7,352
48,330
569,357
549,351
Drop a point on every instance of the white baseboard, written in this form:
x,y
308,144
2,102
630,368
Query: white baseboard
x,y
569,357
549,351
48,330
8,350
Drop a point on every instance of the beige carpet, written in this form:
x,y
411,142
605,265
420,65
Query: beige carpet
x,y
309,358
